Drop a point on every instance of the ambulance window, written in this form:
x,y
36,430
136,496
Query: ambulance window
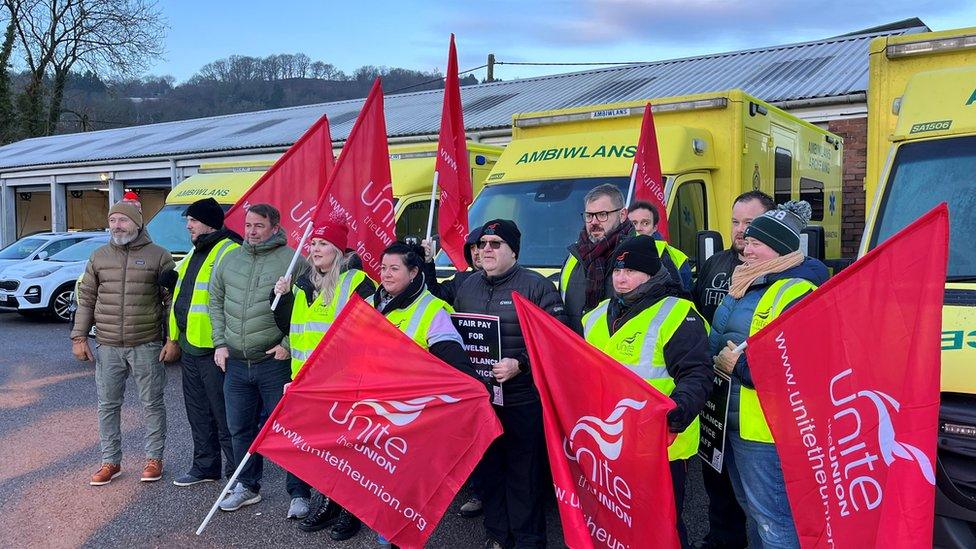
x,y
812,191
413,220
783,175
687,216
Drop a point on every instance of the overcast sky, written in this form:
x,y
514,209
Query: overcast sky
x,y
414,35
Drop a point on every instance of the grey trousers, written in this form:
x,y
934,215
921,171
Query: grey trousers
x,y
112,366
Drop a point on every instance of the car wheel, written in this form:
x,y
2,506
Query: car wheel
x,y
60,307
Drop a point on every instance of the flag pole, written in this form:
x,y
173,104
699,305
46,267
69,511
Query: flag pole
x,y
294,259
741,347
630,188
233,478
430,214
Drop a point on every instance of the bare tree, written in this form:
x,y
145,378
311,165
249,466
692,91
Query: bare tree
x,y
11,10
109,37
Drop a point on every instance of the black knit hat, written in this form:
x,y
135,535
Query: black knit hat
x,y
638,253
208,212
471,240
507,230
780,228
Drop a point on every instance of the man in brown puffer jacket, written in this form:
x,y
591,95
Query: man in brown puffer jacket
x,y
121,295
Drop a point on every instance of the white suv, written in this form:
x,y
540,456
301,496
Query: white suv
x,y
47,287
41,246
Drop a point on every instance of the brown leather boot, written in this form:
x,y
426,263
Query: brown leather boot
x,y
153,470
105,474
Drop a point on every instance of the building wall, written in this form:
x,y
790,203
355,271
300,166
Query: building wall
x,y
855,134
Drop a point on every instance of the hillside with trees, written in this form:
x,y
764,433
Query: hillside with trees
x,y
75,65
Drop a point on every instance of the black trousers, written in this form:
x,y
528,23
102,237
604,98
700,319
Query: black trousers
x,y
679,474
510,479
726,520
203,395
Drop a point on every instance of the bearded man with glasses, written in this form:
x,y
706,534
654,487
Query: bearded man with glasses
x,y
586,277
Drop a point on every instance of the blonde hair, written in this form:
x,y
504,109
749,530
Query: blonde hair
x,y
324,283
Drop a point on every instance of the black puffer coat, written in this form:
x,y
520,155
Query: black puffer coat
x,y
492,295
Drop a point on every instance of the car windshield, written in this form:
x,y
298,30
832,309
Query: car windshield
x,y
80,251
22,248
546,212
168,229
923,175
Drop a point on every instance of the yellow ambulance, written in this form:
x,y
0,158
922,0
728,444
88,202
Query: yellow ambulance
x,y
713,147
922,151
411,167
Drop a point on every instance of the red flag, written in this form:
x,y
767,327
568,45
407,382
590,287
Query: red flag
x,y
452,174
293,184
648,180
360,190
849,382
606,430
387,430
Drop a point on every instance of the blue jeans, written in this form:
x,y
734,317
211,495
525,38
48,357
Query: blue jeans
x,y
251,392
757,480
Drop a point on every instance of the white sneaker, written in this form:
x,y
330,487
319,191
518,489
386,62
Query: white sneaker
x,y
239,497
298,508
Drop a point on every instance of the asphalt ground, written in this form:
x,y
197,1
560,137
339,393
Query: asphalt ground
x,y
49,449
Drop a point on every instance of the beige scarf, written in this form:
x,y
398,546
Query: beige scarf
x,y
744,275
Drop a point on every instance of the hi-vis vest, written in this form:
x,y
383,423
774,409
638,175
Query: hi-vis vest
x,y
416,319
779,294
199,332
571,263
677,257
310,322
639,345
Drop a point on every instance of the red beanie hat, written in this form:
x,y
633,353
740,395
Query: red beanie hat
x,y
336,233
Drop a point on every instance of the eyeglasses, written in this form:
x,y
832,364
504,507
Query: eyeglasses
x,y
494,244
599,216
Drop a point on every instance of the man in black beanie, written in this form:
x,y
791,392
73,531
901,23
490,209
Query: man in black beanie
x,y
189,327
649,327
511,476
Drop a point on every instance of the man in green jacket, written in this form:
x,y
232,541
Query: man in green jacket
x,y
251,349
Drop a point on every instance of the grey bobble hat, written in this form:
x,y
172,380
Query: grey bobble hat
x,y
780,228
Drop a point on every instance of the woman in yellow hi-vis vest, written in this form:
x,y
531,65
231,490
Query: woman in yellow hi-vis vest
x,y
775,275
305,313
405,301
651,327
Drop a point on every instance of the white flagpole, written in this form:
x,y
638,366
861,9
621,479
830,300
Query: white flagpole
x,y
742,347
233,478
294,259
430,214
433,200
630,188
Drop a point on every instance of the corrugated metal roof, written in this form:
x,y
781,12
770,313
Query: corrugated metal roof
x,y
825,68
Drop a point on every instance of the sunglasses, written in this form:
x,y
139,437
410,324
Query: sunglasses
x,y
494,244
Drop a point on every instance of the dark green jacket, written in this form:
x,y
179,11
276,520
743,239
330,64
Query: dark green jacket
x,y
239,309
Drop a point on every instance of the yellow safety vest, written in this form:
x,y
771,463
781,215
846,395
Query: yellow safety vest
x,y
310,322
567,271
677,256
199,331
639,345
779,295
416,319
